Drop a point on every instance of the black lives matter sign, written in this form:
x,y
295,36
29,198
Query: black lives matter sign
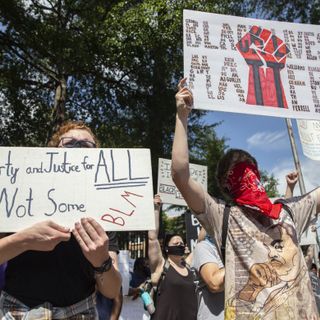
x,y
252,66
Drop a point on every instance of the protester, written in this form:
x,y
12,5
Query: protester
x,y
207,261
175,297
266,275
133,308
52,271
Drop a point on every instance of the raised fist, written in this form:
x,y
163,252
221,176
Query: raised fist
x,y
266,55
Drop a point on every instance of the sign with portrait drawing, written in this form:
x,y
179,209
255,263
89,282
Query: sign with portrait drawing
x,y
166,188
252,66
114,186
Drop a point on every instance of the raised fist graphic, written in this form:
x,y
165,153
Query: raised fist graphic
x,y
266,55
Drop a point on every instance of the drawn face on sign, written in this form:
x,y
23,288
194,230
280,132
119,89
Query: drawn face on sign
x,y
283,252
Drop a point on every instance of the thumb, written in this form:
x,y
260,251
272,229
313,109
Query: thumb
x,y
63,233
59,227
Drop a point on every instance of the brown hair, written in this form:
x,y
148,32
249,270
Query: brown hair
x,y
67,126
230,158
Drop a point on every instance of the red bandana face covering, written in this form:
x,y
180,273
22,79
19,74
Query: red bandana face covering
x,y
244,186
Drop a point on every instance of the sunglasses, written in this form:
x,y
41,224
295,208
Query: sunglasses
x,y
68,142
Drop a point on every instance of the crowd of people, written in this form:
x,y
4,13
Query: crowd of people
x,y
247,263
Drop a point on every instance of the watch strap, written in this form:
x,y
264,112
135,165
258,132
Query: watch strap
x,y
106,266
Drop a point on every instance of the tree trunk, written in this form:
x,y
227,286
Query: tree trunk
x,y
58,112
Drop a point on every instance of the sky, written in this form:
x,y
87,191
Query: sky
x,y
267,139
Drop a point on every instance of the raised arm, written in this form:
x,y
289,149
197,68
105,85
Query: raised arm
x,y
191,191
156,259
291,179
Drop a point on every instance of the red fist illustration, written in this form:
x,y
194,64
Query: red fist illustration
x,y
266,55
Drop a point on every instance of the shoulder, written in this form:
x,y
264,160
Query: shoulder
x,y
205,252
307,201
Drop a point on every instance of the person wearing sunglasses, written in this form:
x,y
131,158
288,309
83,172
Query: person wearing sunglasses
x,y
52,271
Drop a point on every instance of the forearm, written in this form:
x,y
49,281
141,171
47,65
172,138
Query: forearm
x,y
116,307
153,234
109,283
289,192
216,282
180,151
11,246
155,255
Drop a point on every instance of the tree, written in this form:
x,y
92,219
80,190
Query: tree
x,y
292,11
114,64
37,66
270,184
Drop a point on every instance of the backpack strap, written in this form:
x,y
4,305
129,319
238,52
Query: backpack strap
x,y
163,275
286,207
225,222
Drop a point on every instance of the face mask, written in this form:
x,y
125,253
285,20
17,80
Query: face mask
x,y
176,250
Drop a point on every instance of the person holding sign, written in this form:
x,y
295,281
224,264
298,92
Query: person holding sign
x,y
266,276
175,295
53,272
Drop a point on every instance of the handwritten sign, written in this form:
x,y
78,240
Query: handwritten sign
x,y
166,188
193,228
252,66
309,133
114,186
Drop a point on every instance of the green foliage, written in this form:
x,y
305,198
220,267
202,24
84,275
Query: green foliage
x,y
284,10
270,184
174,225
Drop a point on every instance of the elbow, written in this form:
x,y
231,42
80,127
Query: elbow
x,y
215,287
179,178
216,282
114,293
112,290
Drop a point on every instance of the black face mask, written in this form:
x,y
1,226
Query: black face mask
x,y
176,250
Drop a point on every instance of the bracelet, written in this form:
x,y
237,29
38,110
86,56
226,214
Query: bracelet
x,y
106,266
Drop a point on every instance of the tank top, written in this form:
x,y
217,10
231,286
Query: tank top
x,y
177,299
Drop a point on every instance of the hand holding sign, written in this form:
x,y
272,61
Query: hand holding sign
x,y
44,236
93,241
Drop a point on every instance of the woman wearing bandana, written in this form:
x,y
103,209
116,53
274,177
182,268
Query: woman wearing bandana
x,y
176,295
265,273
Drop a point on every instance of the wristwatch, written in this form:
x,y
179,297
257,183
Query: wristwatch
x,y
106,266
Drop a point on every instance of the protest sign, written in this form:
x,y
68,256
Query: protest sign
x,y
166,188
192,229
309,133
252,66
114,186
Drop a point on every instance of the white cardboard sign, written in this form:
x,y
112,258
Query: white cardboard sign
x,y
309,133
167,189
114,186
252,66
